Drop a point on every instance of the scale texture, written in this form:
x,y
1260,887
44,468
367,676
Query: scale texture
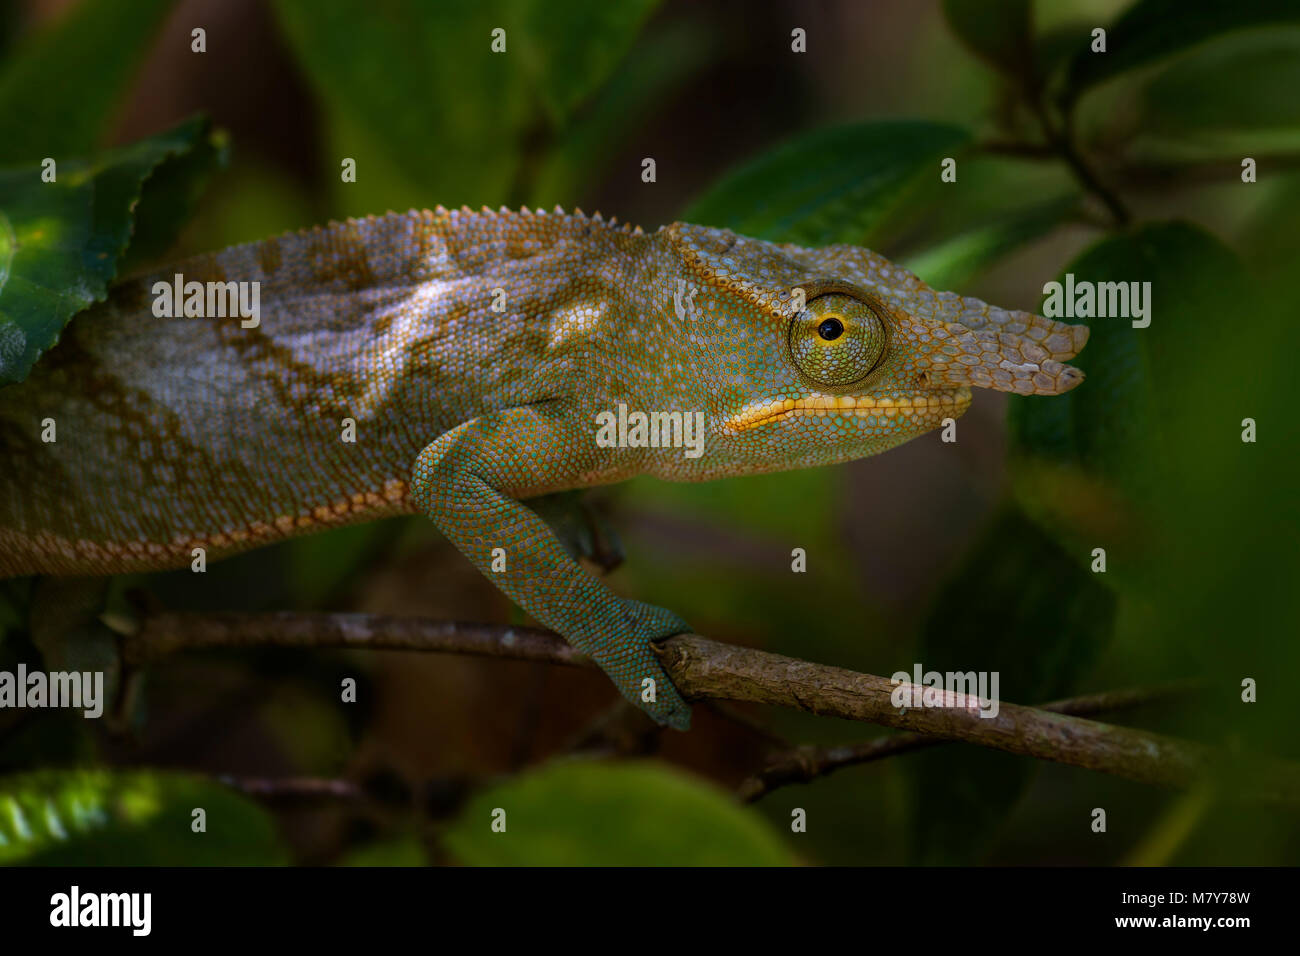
x,y
474,351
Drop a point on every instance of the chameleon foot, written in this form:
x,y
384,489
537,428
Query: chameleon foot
x,y
630,661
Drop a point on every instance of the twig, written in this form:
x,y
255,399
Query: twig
x,y
1062,140
702,668
806,763
295,790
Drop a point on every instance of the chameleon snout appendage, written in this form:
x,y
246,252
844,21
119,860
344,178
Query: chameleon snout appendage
x,y
481,360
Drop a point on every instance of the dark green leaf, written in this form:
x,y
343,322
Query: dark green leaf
x,y
419,90
572,46
1152,29
1191,99
57,94
600,814
665,59
999,31
92,817
401,851
61,242
832,185
1089,462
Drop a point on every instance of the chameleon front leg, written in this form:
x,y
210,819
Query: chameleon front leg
x,y
468,482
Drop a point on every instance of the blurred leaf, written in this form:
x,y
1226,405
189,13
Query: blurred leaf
x,y
1055,49
999,31
1083,455
402,851
1191,99
1185,813
578,814
952,264
93,817
1152,29
582,153
572,46
171,194
419,90
58,93
61,242
1021,607
832,185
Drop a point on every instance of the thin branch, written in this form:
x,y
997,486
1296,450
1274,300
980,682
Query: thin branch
x,y
295,790
1062,140
705,669
162,634
806,763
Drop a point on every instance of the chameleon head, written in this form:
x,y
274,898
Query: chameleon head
x,y
824,355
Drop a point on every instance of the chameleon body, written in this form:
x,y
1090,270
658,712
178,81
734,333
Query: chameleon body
x,y
474,352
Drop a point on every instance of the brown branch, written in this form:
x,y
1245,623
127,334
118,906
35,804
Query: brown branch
x,y
702,669
806,763
295,790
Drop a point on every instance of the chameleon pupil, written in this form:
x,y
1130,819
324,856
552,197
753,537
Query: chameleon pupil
x,y
830,330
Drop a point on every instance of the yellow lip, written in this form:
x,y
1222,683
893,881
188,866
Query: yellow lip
x,y
847,406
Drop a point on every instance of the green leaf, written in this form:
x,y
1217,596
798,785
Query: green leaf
x,y
95,817
57,96
952,264
400,851
666,58
378,75
61,242
583,813
831,185
999,32
1021,607
1089,463
1191,100
1152,29
570,47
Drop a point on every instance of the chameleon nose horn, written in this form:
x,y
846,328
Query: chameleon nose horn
x,y
1007,351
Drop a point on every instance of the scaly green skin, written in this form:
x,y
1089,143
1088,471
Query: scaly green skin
x,y
178,433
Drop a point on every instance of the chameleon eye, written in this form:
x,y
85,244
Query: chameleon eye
x,y
837,340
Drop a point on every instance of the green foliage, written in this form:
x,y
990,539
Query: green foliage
x,y
599,814
955,262
1105,441
50,109
400,851
378,75
84,817
1152,29
1258,112
62,242
831,185
1000,31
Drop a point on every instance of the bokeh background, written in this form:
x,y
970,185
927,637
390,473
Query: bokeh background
x,y
968,555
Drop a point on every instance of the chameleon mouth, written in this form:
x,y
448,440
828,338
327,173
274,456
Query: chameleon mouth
x,y
925,404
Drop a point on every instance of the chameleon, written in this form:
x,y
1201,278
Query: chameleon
x,y
477,356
